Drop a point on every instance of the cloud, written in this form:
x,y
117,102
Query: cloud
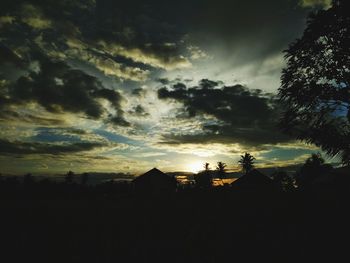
x,y
66,135
34,17
156,55
24,148
6,20
196,53
61,37
119,121
151,154
59,89
244,116
10,57
11,115
110,67
106,63
312,3
139,111
99,64
139,92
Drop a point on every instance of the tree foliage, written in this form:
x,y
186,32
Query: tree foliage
x,y
315,82
247,162
313,168
206,167
221,169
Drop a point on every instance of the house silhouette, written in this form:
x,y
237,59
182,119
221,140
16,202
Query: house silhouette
x,y
154,181
254,180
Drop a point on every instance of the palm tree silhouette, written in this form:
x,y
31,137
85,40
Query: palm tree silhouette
x,y
221,168
206,167
247,162
204,178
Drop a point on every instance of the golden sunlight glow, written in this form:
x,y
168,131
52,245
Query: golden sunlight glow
x,y
195,167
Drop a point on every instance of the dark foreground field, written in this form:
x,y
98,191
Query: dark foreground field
x,y
195,226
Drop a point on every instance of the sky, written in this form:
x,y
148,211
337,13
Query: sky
x,y
125,86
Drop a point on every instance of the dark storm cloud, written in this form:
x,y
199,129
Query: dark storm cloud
x,y
260,28
250,137
119,39
84,57
138,92
59,88
138,22
243,116
139,111
158,33
149,32
111,95
163,81
238,30
159,28
264,27
8,56
11,65
19,147
119,121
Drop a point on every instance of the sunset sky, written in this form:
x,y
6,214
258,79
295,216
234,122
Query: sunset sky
x,y
130,85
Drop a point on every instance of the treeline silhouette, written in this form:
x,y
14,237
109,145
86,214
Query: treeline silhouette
x,y
72,187
315,173
74,221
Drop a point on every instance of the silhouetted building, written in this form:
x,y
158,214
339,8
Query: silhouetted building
x,y
255,180
154,181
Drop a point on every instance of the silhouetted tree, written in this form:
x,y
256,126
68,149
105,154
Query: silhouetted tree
x,y
313,168
206,167
315,83
69,177
247,162
221,170
204,178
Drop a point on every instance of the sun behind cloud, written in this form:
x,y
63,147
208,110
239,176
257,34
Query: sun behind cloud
x,y
195,167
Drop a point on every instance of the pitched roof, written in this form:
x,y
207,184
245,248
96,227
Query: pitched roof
x,y
253,178
153,173
155,181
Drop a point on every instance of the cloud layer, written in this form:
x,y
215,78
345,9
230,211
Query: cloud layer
x,y
135,84
243,116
